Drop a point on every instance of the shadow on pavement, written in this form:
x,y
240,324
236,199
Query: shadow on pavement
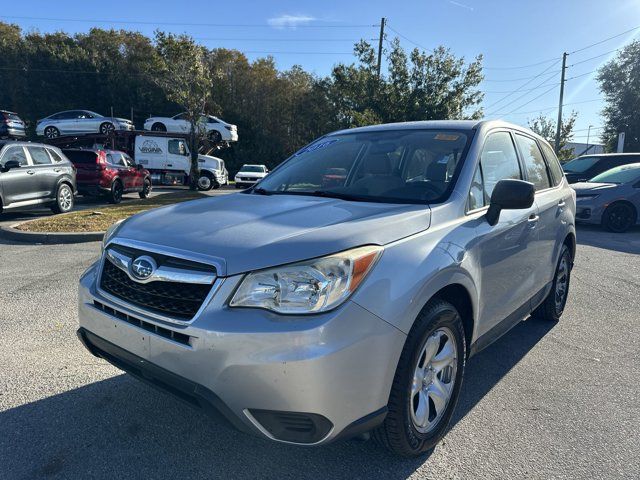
x,y
595,236
120,428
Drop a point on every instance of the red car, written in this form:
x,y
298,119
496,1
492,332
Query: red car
x,y
108,172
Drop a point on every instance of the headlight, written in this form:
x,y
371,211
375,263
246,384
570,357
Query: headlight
x,y
110,233
312,286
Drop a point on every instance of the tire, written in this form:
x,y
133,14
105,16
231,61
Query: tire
x,y
437,332
64,199
553,305
146,188
158,127
205,181
51,132
214,136
115,195
619,217
107,128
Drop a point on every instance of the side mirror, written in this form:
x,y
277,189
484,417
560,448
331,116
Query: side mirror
x,y
9,164
509,195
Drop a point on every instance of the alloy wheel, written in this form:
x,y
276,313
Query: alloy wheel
x,y
562,284
619,218
433,380
107,128
65,198
51,132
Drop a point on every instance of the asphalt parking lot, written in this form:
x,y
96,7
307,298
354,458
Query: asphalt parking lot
x,y
545,401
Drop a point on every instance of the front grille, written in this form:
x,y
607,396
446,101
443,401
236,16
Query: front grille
x,y
173,299
149,327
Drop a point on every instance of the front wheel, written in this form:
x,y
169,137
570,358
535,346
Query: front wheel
x,y
214,136
64,199
107,128
619,217
427,382
51,132
146,189
205,181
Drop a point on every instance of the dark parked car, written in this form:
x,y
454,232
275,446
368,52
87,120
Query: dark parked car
x,y
11,125
581,169
109,172
33,174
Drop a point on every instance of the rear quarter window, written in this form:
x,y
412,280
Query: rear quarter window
x,y
81,157
554,165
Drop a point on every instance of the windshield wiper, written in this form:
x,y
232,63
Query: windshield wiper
x,y
338,195
261,191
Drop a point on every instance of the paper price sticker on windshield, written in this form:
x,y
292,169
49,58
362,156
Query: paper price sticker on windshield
x,y
317,146
448,137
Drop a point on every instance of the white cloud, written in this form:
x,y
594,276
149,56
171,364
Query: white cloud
x,y
290,21
461,5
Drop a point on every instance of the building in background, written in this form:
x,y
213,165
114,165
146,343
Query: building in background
x,y
584,149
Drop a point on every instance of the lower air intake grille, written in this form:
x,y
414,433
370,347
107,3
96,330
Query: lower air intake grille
x,y
293,427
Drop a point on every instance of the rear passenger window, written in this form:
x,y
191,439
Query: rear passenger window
x,y
554,165
39,156
498,161
533,162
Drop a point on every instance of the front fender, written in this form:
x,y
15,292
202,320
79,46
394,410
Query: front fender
x,y
407,276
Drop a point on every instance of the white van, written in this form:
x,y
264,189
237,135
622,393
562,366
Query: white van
x,y
169,160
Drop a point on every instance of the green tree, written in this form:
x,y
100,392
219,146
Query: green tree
x,y
187,81
546,128
620,83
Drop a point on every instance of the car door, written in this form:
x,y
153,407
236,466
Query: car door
x,y
181,123
505,251
18,184
134,178
46,176
85,122
551,201
116,162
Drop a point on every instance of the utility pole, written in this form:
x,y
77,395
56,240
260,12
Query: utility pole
x,y
382,22
588,135
559,126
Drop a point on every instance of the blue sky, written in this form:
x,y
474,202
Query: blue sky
x,y
316,35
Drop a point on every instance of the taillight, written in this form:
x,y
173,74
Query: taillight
x,y
102,161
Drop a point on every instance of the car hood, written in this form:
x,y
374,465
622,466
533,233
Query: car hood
x,y
125,120
589,187
243,232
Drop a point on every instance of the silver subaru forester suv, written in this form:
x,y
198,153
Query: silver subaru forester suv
x,y
343,293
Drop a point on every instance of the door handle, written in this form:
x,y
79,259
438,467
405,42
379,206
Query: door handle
x,y
31,172
57,170
561,203
533,218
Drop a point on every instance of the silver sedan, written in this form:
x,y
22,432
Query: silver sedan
x,y
611,199
80,121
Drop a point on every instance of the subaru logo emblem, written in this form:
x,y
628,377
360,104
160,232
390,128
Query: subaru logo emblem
x,y
143,267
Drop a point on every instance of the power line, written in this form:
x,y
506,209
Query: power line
x,y
186,24
521,66
406,38
526,103
213,39
543,73
605,40
555,107
522,78
596,56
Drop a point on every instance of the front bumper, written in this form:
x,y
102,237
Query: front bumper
x,y
588,212
330,373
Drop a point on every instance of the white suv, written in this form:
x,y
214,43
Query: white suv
x,y
250,175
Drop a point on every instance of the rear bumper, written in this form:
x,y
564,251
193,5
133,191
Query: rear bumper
x,y
330,373
7,131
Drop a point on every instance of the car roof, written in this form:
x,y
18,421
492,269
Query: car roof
x,y
8,111
441,125
598,155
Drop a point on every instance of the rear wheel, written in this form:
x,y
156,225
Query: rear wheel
x,y
146,188
115,195
158,127
51,132
64,199
427,382
552,307
619,217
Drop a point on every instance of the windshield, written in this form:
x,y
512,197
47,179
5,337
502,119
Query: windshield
x,y
622,174
580,164
252,169
402,166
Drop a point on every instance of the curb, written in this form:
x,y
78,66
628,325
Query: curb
x,y
11,233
